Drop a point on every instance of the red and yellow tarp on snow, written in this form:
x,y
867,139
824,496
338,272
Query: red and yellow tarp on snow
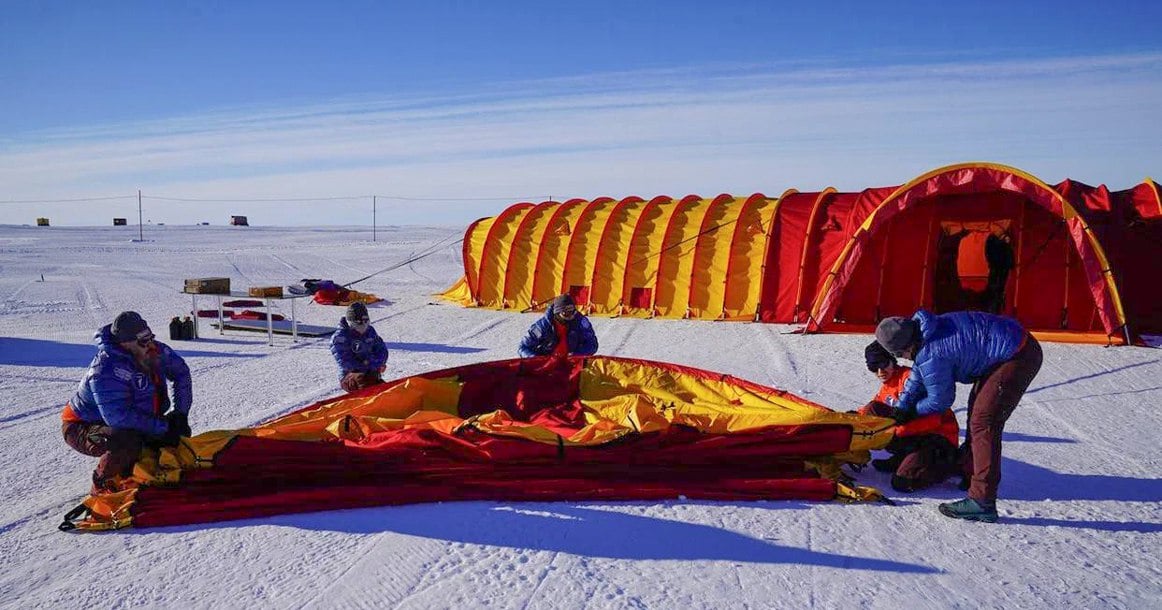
x,y
582,428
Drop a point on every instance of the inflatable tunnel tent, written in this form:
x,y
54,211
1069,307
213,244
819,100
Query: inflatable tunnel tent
x,y
1071,261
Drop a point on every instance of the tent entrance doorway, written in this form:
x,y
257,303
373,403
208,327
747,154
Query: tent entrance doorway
x,y
936,255
973,263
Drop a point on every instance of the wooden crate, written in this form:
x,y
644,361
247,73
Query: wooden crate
x,y
266,291
208,285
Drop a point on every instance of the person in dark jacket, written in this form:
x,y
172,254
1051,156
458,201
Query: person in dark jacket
x,y
923,451
993,353
358,350
561,331
122,403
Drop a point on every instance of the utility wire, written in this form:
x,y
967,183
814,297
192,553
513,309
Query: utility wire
x,y
426,252
303,199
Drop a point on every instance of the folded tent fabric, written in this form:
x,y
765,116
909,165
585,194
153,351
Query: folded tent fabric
x,y
583,428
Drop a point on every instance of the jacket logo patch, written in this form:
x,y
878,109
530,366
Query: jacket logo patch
x,y
123,374
139,381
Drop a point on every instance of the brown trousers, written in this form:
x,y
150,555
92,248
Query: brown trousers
x,y
992,401
118,448
924,461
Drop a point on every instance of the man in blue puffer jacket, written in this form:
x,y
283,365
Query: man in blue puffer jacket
x,y
560,332
993,353
358,350
122,402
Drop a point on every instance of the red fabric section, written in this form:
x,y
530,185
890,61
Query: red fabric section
x,y
410,466
250,314
562,347
256,477
781,275
991,191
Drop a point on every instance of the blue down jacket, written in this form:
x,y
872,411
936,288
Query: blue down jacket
x,y
542,337
116,392
355,353
956,347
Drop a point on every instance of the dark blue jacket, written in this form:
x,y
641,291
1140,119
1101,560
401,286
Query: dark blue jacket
x,y
355,353
542,337
116,392
958,347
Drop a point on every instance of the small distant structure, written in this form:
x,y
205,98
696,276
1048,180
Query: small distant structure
x,y
239,221
204,224
42,222
120,222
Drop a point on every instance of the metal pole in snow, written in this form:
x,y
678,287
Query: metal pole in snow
x,y
140,233
373,205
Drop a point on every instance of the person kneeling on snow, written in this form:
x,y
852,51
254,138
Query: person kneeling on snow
x,y
923,451
122,401
358,350
560,332
995,354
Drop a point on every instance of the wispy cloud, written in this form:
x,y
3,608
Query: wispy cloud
x,y
706,130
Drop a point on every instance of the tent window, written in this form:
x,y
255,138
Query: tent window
x,y
640,298
580,294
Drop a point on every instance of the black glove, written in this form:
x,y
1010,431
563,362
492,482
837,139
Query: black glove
x,y
903,416
179,424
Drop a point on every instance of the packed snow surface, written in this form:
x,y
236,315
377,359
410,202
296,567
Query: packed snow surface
x,y
1080,520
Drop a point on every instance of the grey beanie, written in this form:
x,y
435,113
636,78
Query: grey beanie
x,y
127,326
897,333
560,302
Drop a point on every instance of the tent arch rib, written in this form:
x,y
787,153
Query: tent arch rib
x,y
685,202
542,269
1153,186
472,271
498,248
968,177
520,237
705,233
824,194
635,236
754,284
602,246
770,232
578,240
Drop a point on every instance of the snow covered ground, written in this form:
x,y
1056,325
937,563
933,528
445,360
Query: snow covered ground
x,y
1080,520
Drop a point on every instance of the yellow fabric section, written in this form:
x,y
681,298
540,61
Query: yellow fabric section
x,y
711,255
496,255
642,262
550,263
474,250
518,285
583,246
677,261
609,267
644,397
458,293
744,282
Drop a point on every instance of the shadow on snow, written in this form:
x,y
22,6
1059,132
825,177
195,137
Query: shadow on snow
x,y
574,529
40,352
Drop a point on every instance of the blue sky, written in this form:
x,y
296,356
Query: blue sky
x,y
478,102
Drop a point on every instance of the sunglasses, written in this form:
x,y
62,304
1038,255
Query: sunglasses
x,y
145,341
361,321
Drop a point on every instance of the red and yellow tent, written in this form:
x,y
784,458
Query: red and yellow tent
x,y
832,260
582,428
